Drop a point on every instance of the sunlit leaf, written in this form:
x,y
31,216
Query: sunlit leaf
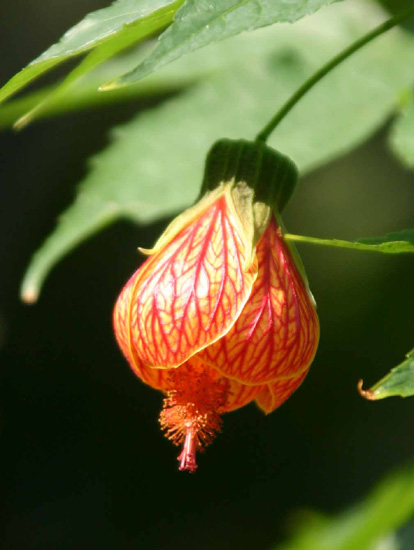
x,y
399,381
112,28
393,243
153,168
84,94
202,22
367,525
82,97
402,135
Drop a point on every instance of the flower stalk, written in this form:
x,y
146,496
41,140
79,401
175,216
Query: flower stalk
x,y
264,134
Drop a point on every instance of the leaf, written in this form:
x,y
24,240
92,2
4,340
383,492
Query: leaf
x,y
91,215
368,524
82,97
393,243
402,135
153,167
124,22
89,63
54,100
201,22
399,381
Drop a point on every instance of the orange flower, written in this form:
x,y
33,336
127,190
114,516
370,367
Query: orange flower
x,y
219,315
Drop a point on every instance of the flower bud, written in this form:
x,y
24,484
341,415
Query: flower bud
x,y
220,314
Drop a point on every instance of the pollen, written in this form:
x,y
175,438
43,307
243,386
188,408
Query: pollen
x,y
192,410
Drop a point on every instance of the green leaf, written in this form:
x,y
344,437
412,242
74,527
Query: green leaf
x,y
399,381
201,22
153,168
367,525
402,135
83,97
55,100
89,63
115,27
393,243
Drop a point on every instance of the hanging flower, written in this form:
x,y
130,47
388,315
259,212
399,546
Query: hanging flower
x,y
220,313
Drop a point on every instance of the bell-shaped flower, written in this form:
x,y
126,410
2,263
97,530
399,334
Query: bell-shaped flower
x,y
220,314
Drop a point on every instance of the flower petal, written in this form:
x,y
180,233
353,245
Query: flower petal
x,y
276,334
240,395
276,393
191,291
121,321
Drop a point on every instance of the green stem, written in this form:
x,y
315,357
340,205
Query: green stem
x,y
326,242
385,247
316,77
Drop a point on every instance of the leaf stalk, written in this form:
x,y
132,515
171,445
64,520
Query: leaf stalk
x,y
264,134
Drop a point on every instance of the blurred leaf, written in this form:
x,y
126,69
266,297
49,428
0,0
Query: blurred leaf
x,y
393,243
112,28
367,525
153,167
201,22
400,241
95,58
399,381
83,91
82,97
402,135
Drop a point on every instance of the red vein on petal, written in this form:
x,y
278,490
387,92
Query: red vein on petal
x,y
273,395
191,291
121,324
277,332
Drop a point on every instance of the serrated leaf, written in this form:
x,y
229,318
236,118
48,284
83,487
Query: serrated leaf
x,y
402,135
124,20
201,22
153,167
393,243
399,381
368,524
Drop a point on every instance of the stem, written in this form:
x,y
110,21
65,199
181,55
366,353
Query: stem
x,y
316,77
385,247
326,242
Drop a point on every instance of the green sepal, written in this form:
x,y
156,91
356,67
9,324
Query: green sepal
x,y
271,175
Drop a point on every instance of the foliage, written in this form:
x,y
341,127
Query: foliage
x,y
107,31
366,526
399,381
199,23
402,135
393,243
229,89
249,74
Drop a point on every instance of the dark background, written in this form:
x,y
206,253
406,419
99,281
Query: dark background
x,y
84,464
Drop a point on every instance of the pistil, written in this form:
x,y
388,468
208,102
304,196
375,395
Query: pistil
x,y
191,415
187,457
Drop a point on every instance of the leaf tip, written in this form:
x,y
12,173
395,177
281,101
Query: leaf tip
x,y
367,394
30,289
146,251
29,295
22,122
109,86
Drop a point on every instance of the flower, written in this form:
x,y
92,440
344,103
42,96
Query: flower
x,y
220,313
